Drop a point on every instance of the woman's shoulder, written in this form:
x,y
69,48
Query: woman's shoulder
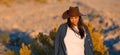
x,y
86,28
63,25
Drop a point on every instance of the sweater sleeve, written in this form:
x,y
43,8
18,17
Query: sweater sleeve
x,y
57,41
88,44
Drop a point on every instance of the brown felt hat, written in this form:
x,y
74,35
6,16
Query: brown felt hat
x,y
72,12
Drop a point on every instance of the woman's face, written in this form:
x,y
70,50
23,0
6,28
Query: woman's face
x,y
74,20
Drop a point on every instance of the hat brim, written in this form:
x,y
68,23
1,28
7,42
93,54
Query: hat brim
x,y
65,15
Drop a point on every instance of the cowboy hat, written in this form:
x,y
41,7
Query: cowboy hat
x,y
72,12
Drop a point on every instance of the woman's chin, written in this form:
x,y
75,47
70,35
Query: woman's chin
x,y
74,25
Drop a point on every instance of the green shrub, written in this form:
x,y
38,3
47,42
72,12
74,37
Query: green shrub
x,y
52,34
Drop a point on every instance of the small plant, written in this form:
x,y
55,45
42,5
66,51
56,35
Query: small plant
x,y
9,52
7,2
42,1
4,37
53,34
59,0
25,50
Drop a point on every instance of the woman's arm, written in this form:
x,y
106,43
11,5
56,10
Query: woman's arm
x,y
57,41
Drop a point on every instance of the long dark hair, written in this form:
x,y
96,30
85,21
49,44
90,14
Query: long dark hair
x,y
80,27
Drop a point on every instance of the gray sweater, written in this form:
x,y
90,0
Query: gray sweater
x,y
59,45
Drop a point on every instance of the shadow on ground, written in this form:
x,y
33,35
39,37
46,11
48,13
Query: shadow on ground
x,y
17,37
110,43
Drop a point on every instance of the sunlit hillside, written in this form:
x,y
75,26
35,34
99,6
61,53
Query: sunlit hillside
x,y
31,25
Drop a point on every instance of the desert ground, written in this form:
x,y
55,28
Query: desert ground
x,y
33,17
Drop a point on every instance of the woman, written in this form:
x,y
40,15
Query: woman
x,y
73,37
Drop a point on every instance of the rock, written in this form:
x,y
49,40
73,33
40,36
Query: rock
x,y
117,46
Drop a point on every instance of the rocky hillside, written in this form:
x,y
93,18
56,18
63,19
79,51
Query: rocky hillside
x,y
34,16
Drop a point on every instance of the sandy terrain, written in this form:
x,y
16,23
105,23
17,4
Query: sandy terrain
x,y
33,17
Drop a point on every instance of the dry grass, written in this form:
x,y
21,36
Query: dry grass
x,y
42,1
7,2
9,52
4,37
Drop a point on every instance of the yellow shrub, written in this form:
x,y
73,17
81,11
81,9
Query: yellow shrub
x,y
99,47
24,50
4,37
